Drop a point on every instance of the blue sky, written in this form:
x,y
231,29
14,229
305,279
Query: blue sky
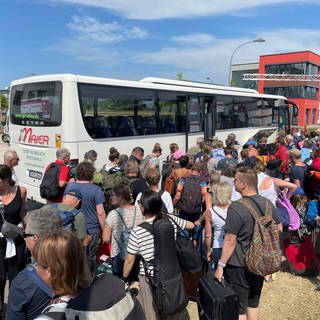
x,y
132,39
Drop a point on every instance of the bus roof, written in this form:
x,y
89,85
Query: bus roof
x,y
147,83
185,83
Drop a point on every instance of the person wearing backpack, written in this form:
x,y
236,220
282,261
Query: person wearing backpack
x,y
119,224
190,194
28,294
56,177
241,225
72,218
161,290
92,208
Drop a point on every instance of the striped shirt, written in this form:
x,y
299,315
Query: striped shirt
x,y
141,242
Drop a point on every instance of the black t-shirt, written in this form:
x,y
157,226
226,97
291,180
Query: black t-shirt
x,y
240,223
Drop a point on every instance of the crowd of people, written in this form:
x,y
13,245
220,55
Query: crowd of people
x,y
198,190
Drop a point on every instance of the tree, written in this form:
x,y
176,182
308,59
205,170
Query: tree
x,y
180,75
4,101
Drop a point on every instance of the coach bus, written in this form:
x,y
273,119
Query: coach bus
x,y
82,113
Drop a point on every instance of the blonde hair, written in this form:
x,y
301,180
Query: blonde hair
x,y
63,254
222,195
153,176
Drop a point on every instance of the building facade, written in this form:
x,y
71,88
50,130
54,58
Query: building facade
x,y
304,93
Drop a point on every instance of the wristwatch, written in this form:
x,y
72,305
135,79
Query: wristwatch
x,y
221,264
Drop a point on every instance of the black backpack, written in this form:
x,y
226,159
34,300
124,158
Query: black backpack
x,y
169,294
49,187
191,196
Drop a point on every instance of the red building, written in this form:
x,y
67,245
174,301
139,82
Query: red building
x,y
304,93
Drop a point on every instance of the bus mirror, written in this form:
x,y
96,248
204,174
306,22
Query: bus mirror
x,y
295,111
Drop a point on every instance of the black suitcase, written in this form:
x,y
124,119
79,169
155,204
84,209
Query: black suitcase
x,y
217,302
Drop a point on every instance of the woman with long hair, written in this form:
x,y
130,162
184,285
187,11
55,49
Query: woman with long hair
x,y
12,206
60,262
141,243
124,217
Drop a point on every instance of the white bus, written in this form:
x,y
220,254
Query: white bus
x,y
82,113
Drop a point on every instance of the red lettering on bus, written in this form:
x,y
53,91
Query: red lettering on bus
x,y
26,135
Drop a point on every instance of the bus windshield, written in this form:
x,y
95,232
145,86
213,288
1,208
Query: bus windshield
x,y
36,104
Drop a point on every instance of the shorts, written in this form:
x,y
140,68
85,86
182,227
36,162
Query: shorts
x,y
246,284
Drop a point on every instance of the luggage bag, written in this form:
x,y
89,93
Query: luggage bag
x,y
301,255
217,301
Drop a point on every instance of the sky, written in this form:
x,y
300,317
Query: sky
x,y
133,39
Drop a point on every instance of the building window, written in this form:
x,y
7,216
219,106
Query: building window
x,y
307,116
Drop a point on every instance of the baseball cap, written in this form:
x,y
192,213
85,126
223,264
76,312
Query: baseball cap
x,y
254,143
74,193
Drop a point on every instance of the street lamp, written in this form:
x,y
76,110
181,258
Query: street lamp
x,y
235,50
209,79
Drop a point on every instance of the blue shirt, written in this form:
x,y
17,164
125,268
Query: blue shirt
x,y
26,300
92,196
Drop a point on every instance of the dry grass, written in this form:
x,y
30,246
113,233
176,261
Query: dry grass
x,y
288,297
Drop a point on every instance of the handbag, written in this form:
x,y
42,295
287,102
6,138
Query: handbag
x,y
189,258
283,202
9,230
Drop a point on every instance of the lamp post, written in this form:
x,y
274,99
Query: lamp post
x,y
235,50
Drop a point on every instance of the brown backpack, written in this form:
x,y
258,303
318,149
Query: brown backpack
x,y
264,254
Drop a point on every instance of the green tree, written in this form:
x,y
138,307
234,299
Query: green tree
x,y
4,102
180,75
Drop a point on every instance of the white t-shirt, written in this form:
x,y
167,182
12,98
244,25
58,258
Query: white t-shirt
x,y
218,217
166,198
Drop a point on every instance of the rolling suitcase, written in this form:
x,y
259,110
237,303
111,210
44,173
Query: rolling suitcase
x,y
301,255
216,302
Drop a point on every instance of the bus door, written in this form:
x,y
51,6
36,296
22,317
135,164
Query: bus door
x,y
281,118
209,118
194,117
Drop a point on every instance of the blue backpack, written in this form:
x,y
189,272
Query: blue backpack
x,y
67,216
310,218
125,234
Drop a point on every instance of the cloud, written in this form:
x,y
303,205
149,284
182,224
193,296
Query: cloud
x,y
161,9
195,38
213,59
89,28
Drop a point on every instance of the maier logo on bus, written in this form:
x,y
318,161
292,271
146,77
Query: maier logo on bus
x,y
27,136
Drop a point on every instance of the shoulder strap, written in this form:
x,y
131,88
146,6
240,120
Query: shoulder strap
x,y
219,215
147,226
2,209
251,207
179,228
121,218
31,273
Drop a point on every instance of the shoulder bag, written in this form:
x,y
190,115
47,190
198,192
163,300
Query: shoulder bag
x,y
9,230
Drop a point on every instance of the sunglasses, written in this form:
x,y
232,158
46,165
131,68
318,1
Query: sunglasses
x,y
27,235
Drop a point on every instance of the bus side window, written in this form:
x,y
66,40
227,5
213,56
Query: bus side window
x,y
168,125
101,128
88,123
149,125
126,127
